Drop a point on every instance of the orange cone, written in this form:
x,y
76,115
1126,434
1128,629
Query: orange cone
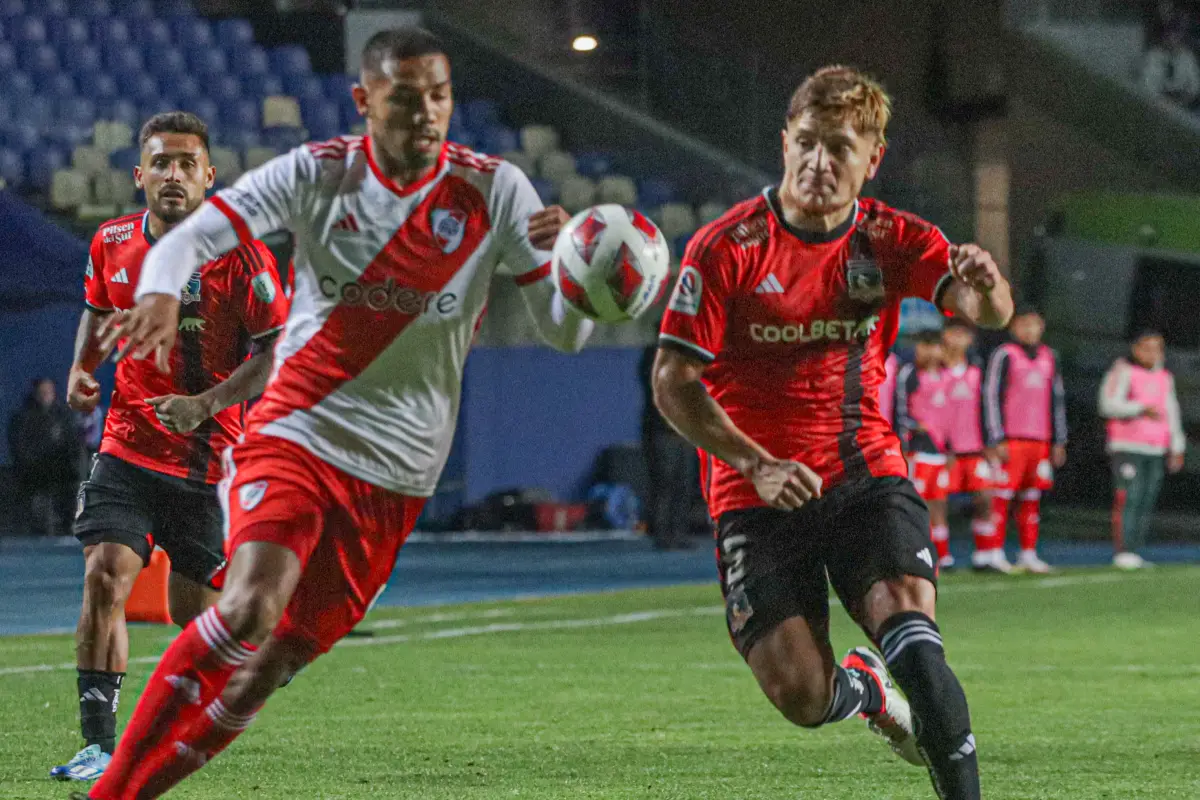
x,y
148,601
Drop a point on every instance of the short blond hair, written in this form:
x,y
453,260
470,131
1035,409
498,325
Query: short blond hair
x,y
838,93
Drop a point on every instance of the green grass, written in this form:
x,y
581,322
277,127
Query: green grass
x,y
1081,686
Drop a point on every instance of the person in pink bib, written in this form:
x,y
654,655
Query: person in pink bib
x,y
1145,435
887,390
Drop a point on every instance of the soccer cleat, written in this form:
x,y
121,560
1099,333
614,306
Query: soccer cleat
x,y
946,562
1129,561
87,765
1028,561
894,722
990,561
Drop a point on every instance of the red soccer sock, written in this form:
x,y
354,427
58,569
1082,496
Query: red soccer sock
x,y
192,672
940,534
999,519
1028,521
984,533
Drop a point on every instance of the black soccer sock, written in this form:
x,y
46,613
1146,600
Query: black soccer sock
x,y
854,692
912,646
99,692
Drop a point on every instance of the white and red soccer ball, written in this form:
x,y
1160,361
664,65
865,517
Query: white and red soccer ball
x,y
611,263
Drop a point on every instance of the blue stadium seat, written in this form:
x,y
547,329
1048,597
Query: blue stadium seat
x,y
224,88
124,63
463,137
239,140
289,60
546,190
261,85
94,9
250,61
498,139
69,135
192,32
41,163
458,126
481,114
11,8
75,111
39,59
139,10
304,87
234,33
203,108
67,31
168,62
240,115
155,105
118,109
204,62
654,192
175,8
6,112
22,136
321,118
12,168
139,88
594,165
17,84
57,85
48,9
338,86
82,60
112,31
283,139
182,89
349,111
8,58
27,29
97,85
152,32
125,159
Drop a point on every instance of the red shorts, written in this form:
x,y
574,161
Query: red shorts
x,y
345,531
968,475
1028,467
927,472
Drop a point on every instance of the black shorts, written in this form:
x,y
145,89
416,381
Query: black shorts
x,y
773,564
140,508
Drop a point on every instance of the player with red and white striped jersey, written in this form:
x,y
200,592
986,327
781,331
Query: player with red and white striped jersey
x,y
399,236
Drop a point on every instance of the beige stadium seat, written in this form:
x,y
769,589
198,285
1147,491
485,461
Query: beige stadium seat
x,y
112,187
556,167
617,189
710,211
577,193
676,219
521,160
111,136
257,156
93,212
537,140
281,111
227,162
89,160
68,189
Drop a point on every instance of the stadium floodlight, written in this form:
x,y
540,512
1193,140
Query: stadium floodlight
x,y
584,43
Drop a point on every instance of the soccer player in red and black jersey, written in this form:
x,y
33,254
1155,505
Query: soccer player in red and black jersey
x,y
771,355
154,480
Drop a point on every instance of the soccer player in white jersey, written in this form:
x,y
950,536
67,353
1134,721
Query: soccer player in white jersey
x,y
398,237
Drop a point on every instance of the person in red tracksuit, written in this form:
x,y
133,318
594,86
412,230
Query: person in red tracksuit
x,y
1026,424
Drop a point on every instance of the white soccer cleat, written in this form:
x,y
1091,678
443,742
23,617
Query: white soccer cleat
x,y
1129,561
1028,561
990,561
894,722
946,562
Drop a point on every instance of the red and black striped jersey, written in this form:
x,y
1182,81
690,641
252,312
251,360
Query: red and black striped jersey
x,y
228,303
795,327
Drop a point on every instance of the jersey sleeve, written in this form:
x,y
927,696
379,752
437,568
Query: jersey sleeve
x,y
271,197
1058,405
263,308
926,253
695,319
514,200
995,384
95,291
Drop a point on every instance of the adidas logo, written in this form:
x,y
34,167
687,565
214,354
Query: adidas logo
x,y
346,223
94,694
965,750
926,556
770,285
121,277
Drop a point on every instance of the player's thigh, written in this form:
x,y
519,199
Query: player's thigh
x,y
113,507
350,565
880,538
190,528
110,569
771,571
186,598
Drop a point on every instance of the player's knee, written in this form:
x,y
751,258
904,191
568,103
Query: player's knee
x,y
251,612
802,699
104,587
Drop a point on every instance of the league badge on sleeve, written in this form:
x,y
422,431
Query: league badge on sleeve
x,y
448,225
686,298
263,286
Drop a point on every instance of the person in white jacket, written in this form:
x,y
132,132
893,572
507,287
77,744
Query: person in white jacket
x,y
1145,435
1170,69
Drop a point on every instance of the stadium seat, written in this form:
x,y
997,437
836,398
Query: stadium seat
x,y
239,114
11,8
321,118
281,111
656,192
594,165
119,109
57,85
89,159
8,58
257,156
203,108
111,32
577,193
152,32
205,62
53,9
65,32
338,86
75,111
176,8
39,60
617,189
83,60
481,114
182,89
710,211
22,135
140,88
537,140
227,162
249,61
676,219
139,10
546,190
68,189
38,111
463,137
124,64
110,136
17,84
112,187
12,168
304,87
240,141
260,85
234,33
125,159
499,139
93,9
224,88
157,105
192,33
289,60
284,138
521,160
557,166
41,164
67,135
27,30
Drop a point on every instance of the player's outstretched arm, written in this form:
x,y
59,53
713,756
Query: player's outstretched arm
x,y
83,391
690,409
559,325
979,292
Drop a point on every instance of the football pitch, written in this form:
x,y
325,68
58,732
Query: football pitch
x,y
1082,685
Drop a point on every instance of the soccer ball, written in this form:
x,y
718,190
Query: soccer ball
x,y
611,263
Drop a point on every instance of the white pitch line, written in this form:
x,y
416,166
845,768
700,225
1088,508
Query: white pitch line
x,y
594,622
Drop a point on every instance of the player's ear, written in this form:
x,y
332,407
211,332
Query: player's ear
x,y
359,93
876,160
210,177
783,138
137,178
